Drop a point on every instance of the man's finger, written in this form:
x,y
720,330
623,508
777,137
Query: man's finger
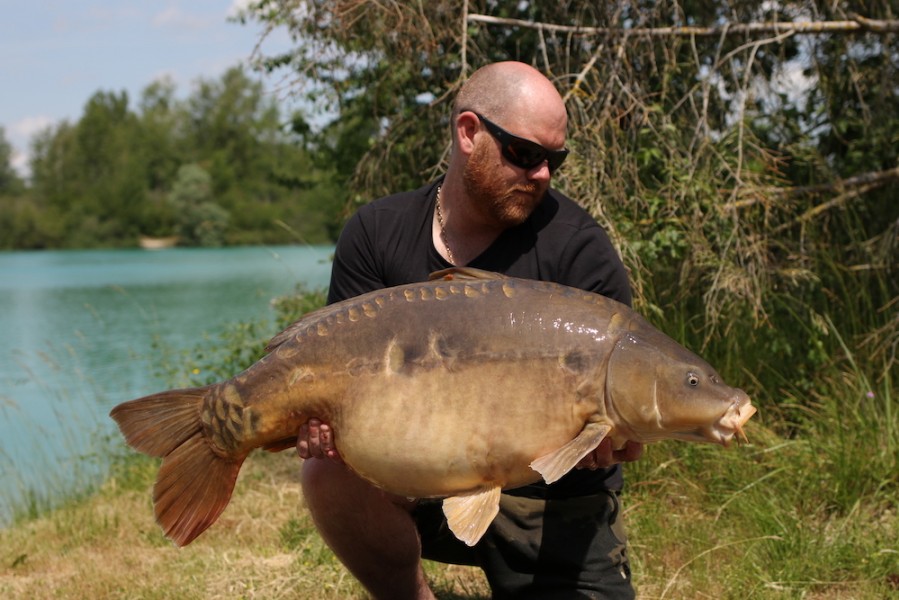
x,y
631,452
303,441
326,439
315,440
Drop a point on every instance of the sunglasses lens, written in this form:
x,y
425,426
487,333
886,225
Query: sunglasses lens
x,y
528,155
521,152
556,159
525,154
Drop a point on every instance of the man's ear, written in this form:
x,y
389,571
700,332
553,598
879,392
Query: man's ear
x,y
467,125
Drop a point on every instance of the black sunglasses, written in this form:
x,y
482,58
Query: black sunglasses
x,y
521,152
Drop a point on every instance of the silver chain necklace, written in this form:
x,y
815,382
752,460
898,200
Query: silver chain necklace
x,y
443,236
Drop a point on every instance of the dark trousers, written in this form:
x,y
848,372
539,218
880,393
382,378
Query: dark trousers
x,y
541,548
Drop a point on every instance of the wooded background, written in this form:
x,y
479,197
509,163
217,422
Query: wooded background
x,y
744,156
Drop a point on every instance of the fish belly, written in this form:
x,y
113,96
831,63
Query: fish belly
x,y
439,432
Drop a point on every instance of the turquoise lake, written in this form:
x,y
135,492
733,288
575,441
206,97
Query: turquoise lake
x,y
81,331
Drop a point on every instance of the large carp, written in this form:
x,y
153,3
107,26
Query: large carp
x,y
455,388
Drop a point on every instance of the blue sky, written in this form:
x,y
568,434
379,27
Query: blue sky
x,y
55,54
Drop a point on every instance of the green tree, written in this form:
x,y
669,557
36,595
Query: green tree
x,y
16,214
261,170
10,181
200,221
162,118
722,180
92,173
162,149
107,179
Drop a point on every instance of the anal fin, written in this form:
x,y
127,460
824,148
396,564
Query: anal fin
x,y
469,516
555,464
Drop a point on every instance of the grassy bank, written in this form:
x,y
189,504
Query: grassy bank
x,y
757,521
108,546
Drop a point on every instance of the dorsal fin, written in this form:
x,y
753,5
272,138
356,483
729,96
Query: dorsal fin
x,y
464,273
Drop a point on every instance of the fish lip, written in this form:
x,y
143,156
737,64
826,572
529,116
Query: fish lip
x,y
730,426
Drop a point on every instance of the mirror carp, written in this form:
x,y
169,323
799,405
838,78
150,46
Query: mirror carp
x,y
454,388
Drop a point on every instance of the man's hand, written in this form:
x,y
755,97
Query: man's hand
x,y
604,456
316,440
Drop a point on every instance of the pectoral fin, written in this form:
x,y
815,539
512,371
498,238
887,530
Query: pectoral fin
x,y
469,516
555,464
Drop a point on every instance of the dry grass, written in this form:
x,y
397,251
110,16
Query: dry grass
x,y
264,546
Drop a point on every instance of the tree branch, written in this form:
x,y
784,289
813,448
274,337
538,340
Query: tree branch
x,y
857,24
851,185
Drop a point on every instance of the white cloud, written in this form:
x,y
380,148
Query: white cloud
x,y
19,162
27,127
238,6
20,134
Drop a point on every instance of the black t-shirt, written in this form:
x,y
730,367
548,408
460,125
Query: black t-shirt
x,y
388,243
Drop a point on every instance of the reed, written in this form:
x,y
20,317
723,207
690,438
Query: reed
x,y
812,513
66,439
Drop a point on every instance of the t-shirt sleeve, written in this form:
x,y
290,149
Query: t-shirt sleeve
x,y
589,261
355,270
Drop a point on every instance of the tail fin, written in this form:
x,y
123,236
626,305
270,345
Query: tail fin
x,y
194,484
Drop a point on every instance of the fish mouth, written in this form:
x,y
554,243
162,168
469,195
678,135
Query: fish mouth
x,y
730,426
727,428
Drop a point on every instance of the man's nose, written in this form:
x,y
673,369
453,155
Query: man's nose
x,y
541,172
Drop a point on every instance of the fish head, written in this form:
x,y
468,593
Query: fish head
x,y
658,389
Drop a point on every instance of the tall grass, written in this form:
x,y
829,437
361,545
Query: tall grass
x,y
64,450
812,513
809,508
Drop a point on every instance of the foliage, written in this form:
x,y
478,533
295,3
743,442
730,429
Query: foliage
x,y
291,307
10,182
717,163
111,177
240,344
199,220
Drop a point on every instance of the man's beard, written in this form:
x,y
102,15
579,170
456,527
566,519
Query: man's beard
x,y
505,206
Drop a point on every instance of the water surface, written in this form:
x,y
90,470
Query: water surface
x,y
81,331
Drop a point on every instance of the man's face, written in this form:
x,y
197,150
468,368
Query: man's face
x,y
505,194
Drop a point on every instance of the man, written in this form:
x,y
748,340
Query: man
x,y
493,210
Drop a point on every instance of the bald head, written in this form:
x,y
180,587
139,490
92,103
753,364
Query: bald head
x,y
509,91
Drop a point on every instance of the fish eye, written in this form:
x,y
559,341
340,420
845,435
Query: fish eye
x,y
692,379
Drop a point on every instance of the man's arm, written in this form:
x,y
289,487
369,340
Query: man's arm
x,y
356,269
